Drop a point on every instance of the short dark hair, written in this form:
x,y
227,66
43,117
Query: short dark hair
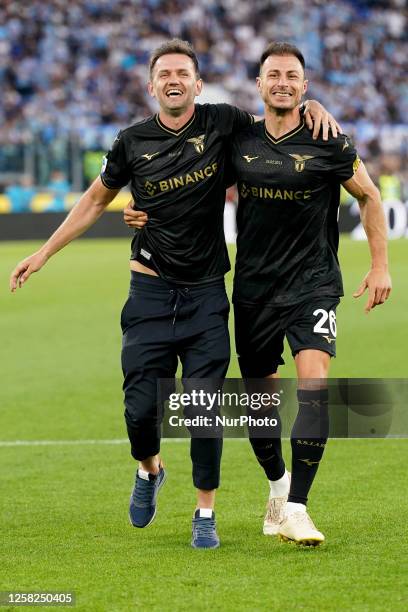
x,y
281,48
178,46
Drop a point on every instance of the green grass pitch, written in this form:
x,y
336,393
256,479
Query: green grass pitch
x,y
64,507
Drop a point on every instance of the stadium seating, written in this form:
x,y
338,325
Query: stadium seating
x,y
76,71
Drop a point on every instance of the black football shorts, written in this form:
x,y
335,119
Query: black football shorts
x,y
260,330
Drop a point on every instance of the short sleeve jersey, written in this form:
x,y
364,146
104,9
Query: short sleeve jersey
x,y
177,178
289,193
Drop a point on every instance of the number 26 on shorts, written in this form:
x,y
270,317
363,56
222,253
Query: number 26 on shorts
x,y
324,317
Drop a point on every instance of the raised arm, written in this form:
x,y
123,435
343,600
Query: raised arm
x,y
317,118
85,213
377,280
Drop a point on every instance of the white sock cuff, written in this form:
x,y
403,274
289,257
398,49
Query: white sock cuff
x,y
143,474
205,512
280,487
292,507
283,478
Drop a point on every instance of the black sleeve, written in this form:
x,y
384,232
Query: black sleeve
x,y
233,119
115,172
230,176
345,160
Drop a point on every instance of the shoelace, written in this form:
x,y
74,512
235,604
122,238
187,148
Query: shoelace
x,y
204,527
144,492
274,509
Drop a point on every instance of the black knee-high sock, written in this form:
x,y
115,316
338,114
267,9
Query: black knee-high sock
x,y
308,440
268,451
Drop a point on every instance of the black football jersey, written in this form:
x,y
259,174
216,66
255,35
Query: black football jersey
x,y
289,192
177,178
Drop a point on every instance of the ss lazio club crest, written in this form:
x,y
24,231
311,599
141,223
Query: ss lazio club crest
x,y
198,143
300,161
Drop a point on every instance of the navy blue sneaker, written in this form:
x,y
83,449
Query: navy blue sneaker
x,y
143,501
204,530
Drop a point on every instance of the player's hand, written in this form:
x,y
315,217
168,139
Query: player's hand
x,y
378,283
317,117
25,268
134,218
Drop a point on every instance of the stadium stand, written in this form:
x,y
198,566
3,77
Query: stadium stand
x,y
73,73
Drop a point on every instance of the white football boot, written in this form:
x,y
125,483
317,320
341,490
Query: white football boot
x,y
274,513
299,528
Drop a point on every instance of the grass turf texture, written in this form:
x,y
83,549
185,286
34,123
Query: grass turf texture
x,y
63,508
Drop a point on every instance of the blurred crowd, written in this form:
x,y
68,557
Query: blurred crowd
x,y
78,68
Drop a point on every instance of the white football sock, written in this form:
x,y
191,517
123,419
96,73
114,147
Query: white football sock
x,y
143,474
279,488
205,512
292,507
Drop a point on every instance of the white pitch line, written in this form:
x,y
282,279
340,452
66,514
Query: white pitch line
x,y
58,442
16,443
11,443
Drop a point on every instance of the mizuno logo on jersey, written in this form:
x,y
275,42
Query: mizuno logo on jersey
x,y
249,159
300,161
329,340
150,156
198,143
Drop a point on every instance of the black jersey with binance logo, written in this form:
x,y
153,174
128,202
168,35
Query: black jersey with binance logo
x,y
177,178
289,192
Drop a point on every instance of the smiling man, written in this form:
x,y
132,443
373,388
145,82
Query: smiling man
x,y
287,277
177,306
